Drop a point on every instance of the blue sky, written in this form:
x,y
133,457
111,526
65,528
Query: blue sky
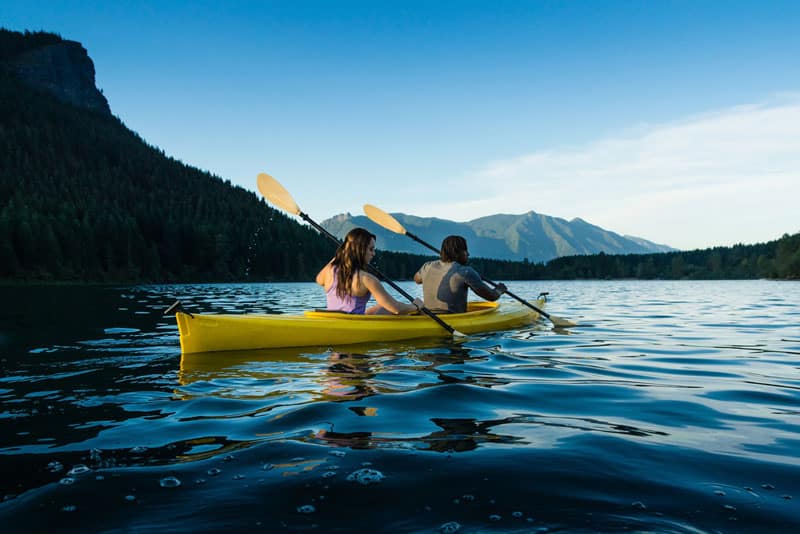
x,y
676,121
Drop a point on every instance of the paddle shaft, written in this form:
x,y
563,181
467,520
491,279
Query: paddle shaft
x,y
379,274
493,284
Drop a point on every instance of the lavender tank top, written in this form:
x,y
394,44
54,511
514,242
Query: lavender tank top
x,y
348,303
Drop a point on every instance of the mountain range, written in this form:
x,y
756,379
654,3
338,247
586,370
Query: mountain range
x,y
530,236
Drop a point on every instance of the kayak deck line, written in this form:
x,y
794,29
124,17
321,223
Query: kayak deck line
x,y
227,332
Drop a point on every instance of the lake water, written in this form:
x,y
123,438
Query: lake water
x,y
674,407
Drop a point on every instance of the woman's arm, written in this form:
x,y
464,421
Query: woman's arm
x,y
325,276
384,299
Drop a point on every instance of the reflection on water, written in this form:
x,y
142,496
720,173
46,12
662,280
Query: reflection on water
x,y
673,407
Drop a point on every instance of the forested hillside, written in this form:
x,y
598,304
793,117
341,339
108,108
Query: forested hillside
x,y
83,198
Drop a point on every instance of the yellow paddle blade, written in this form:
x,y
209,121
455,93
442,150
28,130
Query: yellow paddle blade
x,y
382,218
276,194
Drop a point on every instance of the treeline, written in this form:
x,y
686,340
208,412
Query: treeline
x,y
82,198
779,259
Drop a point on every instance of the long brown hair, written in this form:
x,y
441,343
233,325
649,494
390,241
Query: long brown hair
x,y
351,256
452,247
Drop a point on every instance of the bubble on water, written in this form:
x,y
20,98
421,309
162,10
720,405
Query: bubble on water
x,y
55,467
730,507
720,493
787,497
268,467
495,517
69,508
338,454
67,481
366,476
228,458
99,477
130,498
366,464
468,497
238,477
169,482
306,509
768,486
451,527
328,474
94,455
199,481
518,515
78,470
214,471
639,504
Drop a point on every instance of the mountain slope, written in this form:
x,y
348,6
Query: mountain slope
x,y
531,236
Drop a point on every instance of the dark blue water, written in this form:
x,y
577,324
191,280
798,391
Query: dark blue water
x,y
674,407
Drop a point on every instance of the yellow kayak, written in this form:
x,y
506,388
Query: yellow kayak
x,y
207,333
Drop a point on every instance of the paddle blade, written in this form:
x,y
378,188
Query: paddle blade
x,y
382,218
560,322
276,194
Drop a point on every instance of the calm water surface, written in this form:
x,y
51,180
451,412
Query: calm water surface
x,y
674,407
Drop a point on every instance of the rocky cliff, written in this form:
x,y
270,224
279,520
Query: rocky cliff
x,y
59,67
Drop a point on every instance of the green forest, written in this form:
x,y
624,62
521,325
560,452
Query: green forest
x,y
84,199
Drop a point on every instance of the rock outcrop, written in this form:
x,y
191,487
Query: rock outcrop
x,y
62,69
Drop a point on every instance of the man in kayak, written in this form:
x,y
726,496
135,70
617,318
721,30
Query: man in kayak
x,y
348,286
445,281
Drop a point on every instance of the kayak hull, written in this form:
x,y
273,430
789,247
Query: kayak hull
x,y
208,333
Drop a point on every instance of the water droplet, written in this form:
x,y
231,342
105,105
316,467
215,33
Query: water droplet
x,y
214,471
55,467
338,454
306,509
238,477
518,515
169,482
495,517
730,507
366,476
67,481
451,527
328,474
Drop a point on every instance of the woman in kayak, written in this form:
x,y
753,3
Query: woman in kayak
x,y
445,281
349,286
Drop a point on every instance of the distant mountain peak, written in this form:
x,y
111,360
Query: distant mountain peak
x,y
529,236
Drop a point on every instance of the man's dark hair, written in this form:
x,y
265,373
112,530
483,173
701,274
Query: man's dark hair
x,y
452,247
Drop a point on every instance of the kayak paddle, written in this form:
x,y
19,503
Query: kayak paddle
x,y
275,193
380,217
